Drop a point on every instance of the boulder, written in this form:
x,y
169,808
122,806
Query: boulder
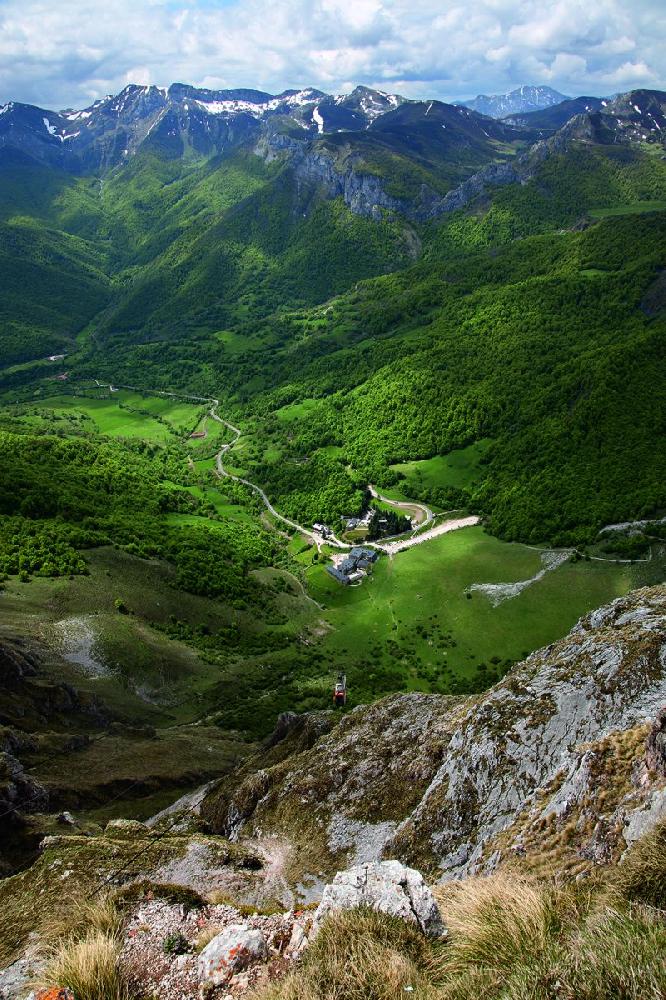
x,y
237,947
387,886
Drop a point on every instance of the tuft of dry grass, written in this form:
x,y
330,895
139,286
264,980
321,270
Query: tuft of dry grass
x,y
206,935
90,966
362,955
498,921
641,875
616,956
80,915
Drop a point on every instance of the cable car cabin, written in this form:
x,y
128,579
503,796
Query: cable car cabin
x,y
340,691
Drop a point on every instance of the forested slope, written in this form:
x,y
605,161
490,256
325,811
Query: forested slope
x,y
516,320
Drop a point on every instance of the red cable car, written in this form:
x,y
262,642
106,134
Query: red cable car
x,y
340,691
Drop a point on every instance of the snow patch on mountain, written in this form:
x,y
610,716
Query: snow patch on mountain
x,y
318,120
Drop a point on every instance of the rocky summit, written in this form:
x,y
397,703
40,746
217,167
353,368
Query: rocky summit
x,y
559,768
549,765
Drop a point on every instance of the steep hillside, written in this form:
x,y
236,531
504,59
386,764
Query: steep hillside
x,y
549,765
554,782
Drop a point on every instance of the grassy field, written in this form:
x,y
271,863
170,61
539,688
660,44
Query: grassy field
x,y
635,208
414,610
120,414
459,468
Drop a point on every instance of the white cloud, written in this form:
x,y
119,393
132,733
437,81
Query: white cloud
x,y
72,51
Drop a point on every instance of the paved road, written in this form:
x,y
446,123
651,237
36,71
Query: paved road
x,y
389,547
406,506
440,529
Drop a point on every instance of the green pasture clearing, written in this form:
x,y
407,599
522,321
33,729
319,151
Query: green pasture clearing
x,y
146,417
175,759
635,208
406,610
460,468
150,677
297,411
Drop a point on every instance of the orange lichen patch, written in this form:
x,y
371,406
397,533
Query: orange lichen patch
x,y
56,993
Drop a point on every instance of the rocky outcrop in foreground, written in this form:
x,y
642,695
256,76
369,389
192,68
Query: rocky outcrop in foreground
x,y
386,886
549,764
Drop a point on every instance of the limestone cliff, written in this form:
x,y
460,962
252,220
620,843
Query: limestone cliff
x,y
549,764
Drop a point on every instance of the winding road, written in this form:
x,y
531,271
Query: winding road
x,y
318,539
390,547
407,506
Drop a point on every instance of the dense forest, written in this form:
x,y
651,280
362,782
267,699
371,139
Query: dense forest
x,y
531,318
60,496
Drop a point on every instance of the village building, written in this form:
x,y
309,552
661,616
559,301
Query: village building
x,y
354,566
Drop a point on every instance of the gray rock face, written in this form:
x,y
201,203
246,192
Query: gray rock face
x,y
387,886
608,674
230,952
655,751
434,780
642,821
17,979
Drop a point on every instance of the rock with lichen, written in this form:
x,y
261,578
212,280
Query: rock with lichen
x,y
441,783
386,886
230,952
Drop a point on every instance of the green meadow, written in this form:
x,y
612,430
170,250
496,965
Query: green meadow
x,y
123,414
414,611
460,468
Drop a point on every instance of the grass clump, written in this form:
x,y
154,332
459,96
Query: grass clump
x,y
90,966
641,875
615,956
498,921
81,915
361,955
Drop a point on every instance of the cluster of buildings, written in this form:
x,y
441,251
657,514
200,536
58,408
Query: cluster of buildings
x,y
363,521
354,566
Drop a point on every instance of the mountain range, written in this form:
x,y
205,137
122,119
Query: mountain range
x,y
183,121
518,101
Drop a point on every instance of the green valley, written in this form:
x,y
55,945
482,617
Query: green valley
x,y
469,320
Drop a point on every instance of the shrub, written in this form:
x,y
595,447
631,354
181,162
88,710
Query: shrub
x,y
175,944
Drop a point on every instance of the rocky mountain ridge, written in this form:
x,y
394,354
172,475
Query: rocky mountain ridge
x,y
187,122
519,101
183,120
453,785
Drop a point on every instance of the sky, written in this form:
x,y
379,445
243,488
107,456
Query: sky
x,y
67,53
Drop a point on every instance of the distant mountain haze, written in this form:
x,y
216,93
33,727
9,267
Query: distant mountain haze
x,y
518,101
